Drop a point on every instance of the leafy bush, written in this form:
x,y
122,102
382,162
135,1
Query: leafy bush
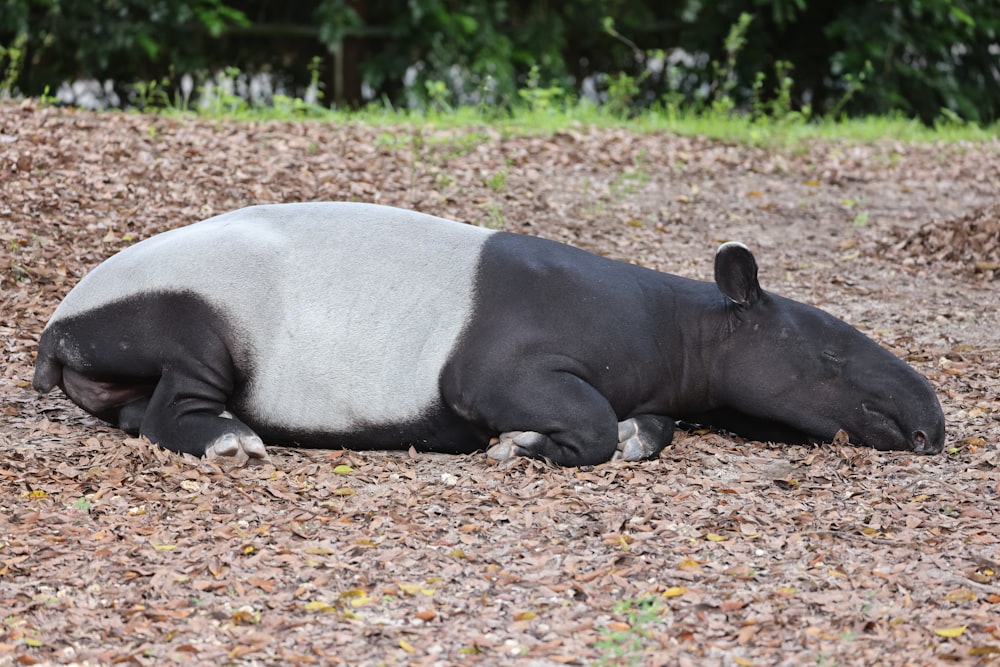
x,y
776,58
120,40
917,57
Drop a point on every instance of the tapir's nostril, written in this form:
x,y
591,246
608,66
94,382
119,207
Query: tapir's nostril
x,y
921,443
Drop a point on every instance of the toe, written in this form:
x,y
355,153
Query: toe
x,y
225,445
502,451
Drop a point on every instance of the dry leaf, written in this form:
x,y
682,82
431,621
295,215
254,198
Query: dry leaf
x,y
290,536
951,632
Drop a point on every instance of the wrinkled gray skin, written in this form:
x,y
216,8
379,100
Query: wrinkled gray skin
x,y
361,326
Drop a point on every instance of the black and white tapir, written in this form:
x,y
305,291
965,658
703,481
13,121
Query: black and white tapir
x,y
348,325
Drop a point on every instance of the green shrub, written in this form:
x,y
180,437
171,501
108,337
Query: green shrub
x,y
784,59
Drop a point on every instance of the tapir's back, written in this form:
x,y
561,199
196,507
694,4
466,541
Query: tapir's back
x,y
342,243
316,296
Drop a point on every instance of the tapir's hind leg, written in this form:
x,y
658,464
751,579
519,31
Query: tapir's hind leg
x,y
187,415
158,366
121,403
179,412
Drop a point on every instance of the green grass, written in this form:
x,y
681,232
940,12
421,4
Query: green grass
x,y
627,646
546,111
712,124
725,126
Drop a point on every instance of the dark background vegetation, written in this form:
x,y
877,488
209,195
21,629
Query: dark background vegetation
x,y
920,58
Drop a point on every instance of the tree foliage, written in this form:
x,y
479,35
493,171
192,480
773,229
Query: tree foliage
x,y
918,57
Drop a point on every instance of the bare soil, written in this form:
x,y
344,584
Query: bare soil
x,y
720,552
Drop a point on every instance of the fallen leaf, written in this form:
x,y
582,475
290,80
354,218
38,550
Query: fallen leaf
x,y
951,632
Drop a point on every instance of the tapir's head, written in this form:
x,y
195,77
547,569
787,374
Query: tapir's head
x,y
796,367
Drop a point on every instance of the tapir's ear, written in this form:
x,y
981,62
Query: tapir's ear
x,y
736,273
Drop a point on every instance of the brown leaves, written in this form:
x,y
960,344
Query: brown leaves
x,y
968,242
755,553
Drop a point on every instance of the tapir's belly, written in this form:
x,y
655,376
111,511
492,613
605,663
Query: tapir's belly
x,y
370,352
331,330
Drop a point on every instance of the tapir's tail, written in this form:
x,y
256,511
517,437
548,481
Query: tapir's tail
x,y
48,369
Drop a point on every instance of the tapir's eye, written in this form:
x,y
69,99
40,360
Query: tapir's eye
x,y
831,356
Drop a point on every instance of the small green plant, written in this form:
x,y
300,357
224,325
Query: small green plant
x,y
315,89
152,95
14,55
623,89
498,181
443,179
852,86
462,145
47,98
82,505
630,180
725,75
621,94
494,216
537,98
308,106
628,646
17,270
221,98
437,96
18,264
781,105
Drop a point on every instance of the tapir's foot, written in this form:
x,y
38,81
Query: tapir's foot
x,y
517,443
639,438
242,448
642,437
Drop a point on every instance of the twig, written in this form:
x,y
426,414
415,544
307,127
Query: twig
x,y
859,538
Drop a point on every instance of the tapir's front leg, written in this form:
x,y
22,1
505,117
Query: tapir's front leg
x,y
639,438
643,437
549,414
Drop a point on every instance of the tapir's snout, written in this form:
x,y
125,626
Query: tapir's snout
x,y
928,419
915,425
929,440
921,444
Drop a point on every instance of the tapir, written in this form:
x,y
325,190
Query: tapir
x,y
349,325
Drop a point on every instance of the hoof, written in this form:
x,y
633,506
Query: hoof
x,y
242,448
502,451
515,443
633,443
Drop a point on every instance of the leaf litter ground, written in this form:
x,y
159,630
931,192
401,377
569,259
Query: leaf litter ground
x,y
720,552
